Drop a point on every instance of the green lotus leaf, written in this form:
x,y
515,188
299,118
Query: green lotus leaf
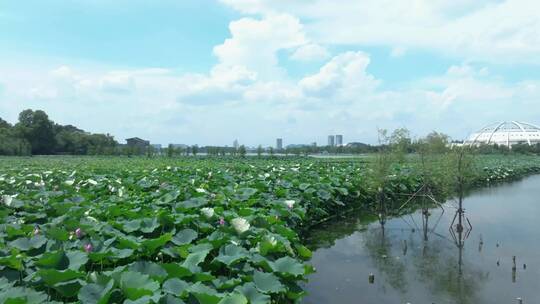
x,y
288,265
12,262
22,295
95,293
25,244
176,270
185,236
267,282
249,290
175,286
154,270
194,259
152,245
229,254
204,294
169,299
52,277
135,285
68,289
234,298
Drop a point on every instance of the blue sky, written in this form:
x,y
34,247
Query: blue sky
x,y
208,72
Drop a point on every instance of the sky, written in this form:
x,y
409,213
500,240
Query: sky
x,y
209,72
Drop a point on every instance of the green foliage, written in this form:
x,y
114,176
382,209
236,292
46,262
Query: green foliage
x,y
36,134
242,151
182,230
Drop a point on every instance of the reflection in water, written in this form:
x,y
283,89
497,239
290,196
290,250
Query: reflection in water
x,y
423,263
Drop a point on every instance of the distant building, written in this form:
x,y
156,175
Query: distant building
x,y
331,140
279,144
179,146
235,144
137,142
357,145
339,140
314,144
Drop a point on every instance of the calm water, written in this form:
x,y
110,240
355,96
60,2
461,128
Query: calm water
x,y
506,218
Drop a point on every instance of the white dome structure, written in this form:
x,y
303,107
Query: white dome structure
x,y
506,134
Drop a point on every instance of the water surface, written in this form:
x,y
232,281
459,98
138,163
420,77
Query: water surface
x,y
505,223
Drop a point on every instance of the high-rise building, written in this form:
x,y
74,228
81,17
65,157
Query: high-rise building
x,y
279,144
339,140
235,144
331,140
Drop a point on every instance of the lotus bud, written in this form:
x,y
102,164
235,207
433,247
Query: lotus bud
x,y
78,233
88,248
36,230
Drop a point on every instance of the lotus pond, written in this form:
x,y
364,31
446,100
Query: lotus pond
x,y
186,230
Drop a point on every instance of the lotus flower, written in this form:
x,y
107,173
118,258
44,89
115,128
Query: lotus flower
x,y
241,225
272,240
7,199
221,221
36,230
88,247
208,212
289,203
78,233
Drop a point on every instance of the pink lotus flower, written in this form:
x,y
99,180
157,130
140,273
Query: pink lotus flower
x,y
221,221
88,247
78,233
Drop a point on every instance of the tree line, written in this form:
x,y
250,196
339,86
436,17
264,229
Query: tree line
x,y
35,134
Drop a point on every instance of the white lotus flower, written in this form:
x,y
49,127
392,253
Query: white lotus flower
x,y
289,203
208,212
7,199
272,240
200,190
241,225
70,182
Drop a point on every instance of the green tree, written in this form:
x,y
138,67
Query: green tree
x,y
259,151
195,150
400,142
242,151
37,129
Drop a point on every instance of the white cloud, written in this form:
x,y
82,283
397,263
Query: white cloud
x,y
117,82
344,75
484,30
310,52
255,42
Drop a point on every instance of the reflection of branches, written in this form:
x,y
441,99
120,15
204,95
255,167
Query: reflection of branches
x,y
440,269
379,248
